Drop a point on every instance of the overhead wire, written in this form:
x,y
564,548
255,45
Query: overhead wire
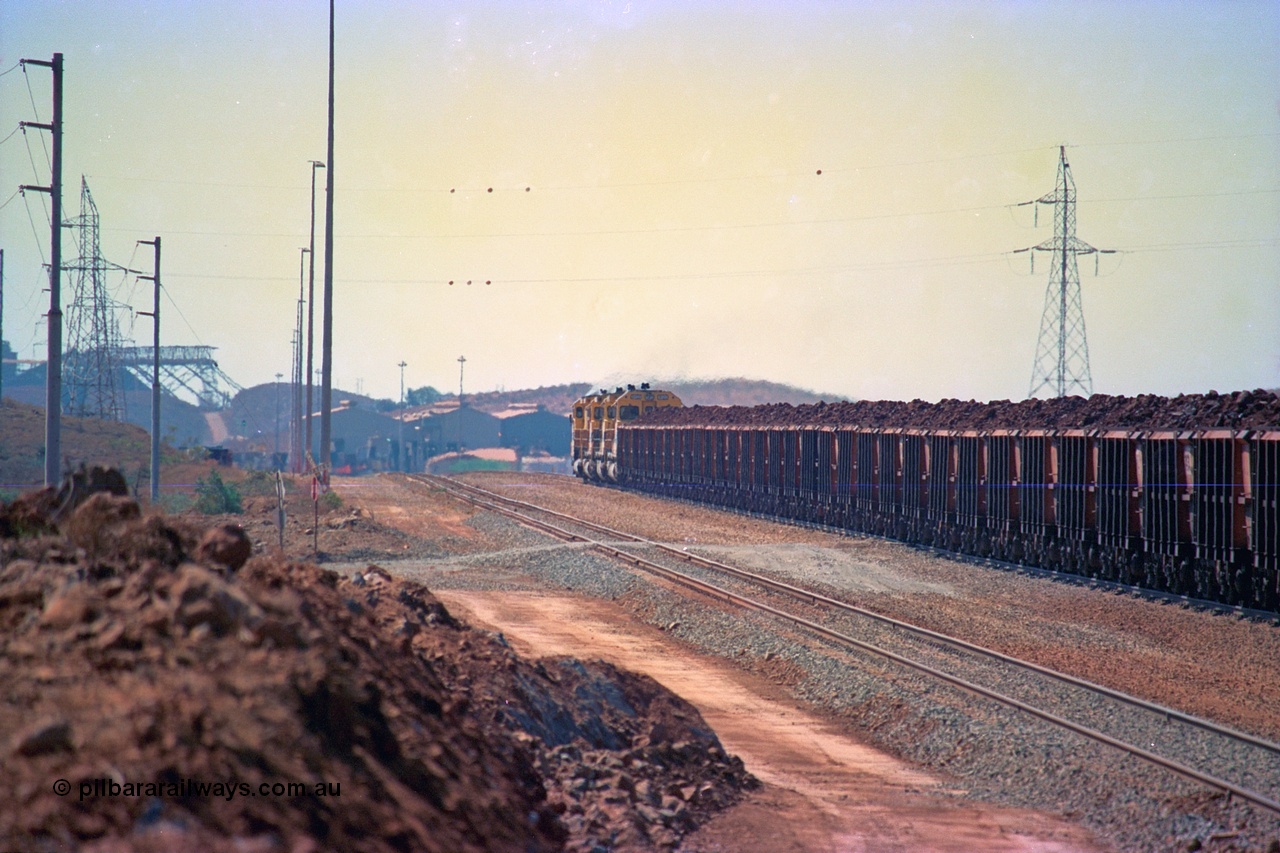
x,y
129,270
169,296
34,231
946,260
719,227
1180,195
36,112
35,171
870,266
688,228
1216,138
790,173
1218,244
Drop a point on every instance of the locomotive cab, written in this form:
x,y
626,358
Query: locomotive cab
x,y
596,420
586,416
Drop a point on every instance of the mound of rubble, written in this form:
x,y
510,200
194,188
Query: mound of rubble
x,y
1241,410
165,691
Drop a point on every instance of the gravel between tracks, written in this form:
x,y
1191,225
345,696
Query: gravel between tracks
x,y
1213,666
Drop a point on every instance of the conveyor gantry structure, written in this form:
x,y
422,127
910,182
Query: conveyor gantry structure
x,y
185,371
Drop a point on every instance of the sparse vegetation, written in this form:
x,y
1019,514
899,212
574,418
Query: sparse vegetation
x,y
216,497
258,483
330,501
424,396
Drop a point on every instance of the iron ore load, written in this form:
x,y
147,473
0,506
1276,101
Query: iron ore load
x,y
1171,494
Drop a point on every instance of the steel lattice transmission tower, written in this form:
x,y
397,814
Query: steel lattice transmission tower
x,y
1062,349
91,372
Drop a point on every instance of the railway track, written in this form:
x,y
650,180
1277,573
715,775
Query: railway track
x,y
1235,763
1056,575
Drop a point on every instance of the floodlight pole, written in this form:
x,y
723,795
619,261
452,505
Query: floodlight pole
x,y
311,302
400,456
275,453
326,360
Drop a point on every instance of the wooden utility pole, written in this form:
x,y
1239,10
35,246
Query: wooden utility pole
x,y
155,369
53,363
326,360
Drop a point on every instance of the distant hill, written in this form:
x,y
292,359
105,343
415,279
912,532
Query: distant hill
x,y
555,398
744,392
181,424
87,440
711,392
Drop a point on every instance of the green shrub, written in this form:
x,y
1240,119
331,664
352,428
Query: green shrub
x,y
214,497
330,501
260,483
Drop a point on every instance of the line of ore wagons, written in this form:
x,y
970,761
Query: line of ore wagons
x,y
1192,513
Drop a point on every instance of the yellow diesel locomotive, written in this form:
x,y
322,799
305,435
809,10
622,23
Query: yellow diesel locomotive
x,y
595,421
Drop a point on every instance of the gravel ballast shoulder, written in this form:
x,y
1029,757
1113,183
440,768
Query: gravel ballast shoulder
x,y
1177,656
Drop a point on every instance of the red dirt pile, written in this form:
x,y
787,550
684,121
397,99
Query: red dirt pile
x,y
156,699
1241,410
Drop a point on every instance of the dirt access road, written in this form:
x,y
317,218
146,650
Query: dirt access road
x,y
824,790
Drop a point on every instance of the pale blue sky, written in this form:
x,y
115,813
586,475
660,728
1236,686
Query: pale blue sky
x,y
675,224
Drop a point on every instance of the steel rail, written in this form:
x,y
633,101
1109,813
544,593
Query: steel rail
x,y
460,490
815,598
1056,575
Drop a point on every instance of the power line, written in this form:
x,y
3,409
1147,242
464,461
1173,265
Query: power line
x,y
34,231
875,265
238,186
34,170
790,173
168,296
35,111
1218,138
1182,195
1221,244
686,228
946,260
